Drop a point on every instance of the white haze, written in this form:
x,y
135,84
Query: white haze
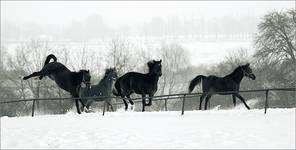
x,y
117,13
35,19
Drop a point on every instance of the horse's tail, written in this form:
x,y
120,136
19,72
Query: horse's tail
x,y
116,90
51,56
194,82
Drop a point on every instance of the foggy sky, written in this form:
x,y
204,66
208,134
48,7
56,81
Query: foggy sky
x,y
117,14
130,12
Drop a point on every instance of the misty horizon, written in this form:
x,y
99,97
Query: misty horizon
x,y
56,19
206,29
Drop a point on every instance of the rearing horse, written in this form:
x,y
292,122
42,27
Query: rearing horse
x,y
64,78
231,82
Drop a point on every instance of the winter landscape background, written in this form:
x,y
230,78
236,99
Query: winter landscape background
x,y
191,38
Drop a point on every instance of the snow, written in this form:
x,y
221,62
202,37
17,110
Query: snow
x,y
236,128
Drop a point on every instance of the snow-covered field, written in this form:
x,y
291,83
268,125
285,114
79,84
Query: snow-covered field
x,y
196,129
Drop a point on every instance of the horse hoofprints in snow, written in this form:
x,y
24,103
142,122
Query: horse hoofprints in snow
x,y
231,82
143,84
103,88
64,78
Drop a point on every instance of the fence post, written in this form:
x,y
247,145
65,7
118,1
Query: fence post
x,y
266,101
165,105
104,107
33,108
183,104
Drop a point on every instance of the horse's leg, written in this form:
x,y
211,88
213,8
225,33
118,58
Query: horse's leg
x,y
107,106
143,102
242,99
234,100
111,107
201,99
87,104
82,103
207,100
125,103
77,106
34,74
82,109
150,100
130,100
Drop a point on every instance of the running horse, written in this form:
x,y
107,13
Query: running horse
x,y
227,85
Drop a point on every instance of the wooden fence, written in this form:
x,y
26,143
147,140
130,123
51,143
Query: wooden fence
x,y
182,96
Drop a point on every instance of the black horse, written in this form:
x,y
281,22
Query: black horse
x,y
103,88
143,84
231,82
64,78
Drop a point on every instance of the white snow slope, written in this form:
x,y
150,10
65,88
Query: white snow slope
x,y
196,129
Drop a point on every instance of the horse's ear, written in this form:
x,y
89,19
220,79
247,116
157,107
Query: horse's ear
x,y
107,70
150,63
87,71
248,64
160,61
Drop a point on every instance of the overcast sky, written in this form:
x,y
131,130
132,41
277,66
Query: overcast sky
x,y
133,13
130,12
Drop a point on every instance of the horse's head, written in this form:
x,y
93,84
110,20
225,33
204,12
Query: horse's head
x,y
111,74
155,67
85,77
247,71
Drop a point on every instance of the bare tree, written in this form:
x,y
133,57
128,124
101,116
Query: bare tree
x,y
276,39
174,61
276,46
120,55
175,58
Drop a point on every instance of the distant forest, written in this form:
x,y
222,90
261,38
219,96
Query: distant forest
x,y
94,28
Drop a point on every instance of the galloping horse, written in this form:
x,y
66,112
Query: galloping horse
x,y
64,78
231,82
143,84
103,88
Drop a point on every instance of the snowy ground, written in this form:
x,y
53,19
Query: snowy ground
x,y
196,129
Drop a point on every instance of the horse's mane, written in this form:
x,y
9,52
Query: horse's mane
x,y
236,74
238,68
107,71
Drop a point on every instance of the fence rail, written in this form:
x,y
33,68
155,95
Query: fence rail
x,y
182,96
